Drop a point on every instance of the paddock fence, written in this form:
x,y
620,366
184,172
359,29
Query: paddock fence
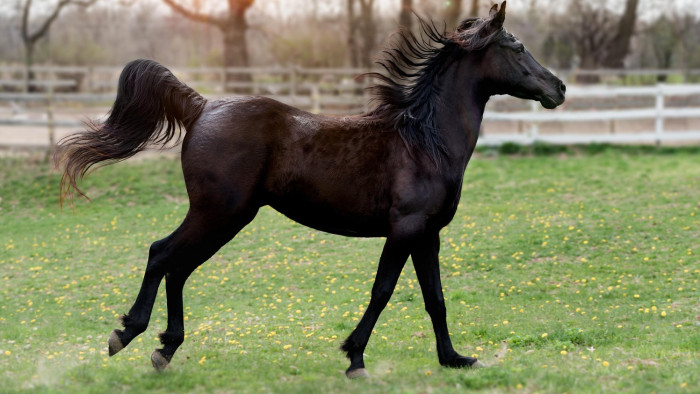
x,y
624,106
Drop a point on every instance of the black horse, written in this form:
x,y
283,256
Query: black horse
x,y
394,172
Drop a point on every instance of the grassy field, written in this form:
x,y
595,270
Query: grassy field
x,y
587,266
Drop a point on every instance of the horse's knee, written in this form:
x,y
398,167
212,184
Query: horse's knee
x,y
435,305
436,309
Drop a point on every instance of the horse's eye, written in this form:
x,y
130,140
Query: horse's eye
x,y
520,49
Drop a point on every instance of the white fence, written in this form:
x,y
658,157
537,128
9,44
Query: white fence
x,y
336,91
659,113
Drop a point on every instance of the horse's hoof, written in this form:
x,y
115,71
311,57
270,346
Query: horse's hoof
x,y
159,361
115,344
359,373
477,364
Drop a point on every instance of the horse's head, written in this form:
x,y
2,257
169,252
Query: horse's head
x,y
506,66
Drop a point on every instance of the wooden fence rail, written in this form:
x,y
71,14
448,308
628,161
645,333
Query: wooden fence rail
x,y
78,79
659,113
338,91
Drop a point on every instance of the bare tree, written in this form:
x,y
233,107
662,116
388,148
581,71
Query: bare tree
x,y
452,13
474,9
352,32
686,28
600,37
588,28
369,31
620,45
30,38
361,26
405,18
233,25
665,44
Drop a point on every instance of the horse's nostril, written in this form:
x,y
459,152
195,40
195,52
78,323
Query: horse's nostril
x,y
562,87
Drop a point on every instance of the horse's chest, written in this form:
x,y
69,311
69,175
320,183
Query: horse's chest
x,y
449,202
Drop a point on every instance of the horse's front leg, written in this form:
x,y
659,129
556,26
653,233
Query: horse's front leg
x,y
394,255
427,265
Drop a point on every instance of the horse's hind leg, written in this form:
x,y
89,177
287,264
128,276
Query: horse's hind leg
x,y
176,256
175,280
136,321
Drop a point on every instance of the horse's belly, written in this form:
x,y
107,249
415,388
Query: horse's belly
x,y
353,220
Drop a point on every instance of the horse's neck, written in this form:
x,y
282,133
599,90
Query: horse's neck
x,y
462,110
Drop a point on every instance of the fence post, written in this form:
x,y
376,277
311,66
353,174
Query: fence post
x,y
223,75
315,99
534,126
49,114
25,78
89,86
659,113
256,81
293,82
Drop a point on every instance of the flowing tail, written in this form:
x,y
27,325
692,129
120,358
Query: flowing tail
x,y
151,107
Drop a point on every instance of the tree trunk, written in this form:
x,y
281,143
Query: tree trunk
x,y
235,53
29,67
474,10
30,38
588,63
369,32
405,19
620,46
234,28
452,14
352,31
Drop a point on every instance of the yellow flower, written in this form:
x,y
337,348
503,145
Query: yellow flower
x,y
544,335
606,364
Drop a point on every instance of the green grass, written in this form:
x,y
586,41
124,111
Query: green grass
x,y
586,265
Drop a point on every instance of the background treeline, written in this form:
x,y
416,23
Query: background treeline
x,y
339,33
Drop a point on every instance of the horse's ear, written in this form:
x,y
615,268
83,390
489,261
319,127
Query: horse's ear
x,y
498,16
493,10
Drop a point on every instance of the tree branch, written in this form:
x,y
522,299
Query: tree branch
x,y
47,23
32,38
83,3
25,21
196,16
239,7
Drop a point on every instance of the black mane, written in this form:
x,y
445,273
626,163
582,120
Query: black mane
x,y
408,95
